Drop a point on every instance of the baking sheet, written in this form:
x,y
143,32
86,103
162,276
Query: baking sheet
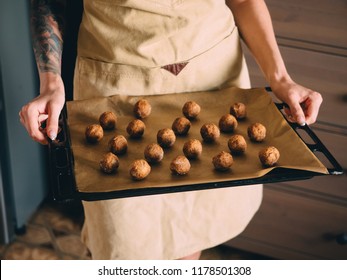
x,y
165,109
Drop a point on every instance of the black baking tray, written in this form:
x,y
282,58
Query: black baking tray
x,y
63,184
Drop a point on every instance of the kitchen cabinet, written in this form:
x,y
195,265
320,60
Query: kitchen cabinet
x,y
308,219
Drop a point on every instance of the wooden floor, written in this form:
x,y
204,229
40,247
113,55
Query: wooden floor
x,y
53,233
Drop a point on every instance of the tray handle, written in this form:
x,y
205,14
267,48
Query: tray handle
x,y
61,160
318,146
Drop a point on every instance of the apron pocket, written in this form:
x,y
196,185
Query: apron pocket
x,y
97,78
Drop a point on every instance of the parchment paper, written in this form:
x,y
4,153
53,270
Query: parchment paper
x,y
166,108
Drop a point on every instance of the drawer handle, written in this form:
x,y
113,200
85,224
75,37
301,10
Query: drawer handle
x,y
341,239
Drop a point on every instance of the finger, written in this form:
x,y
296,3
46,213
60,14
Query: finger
x,y
42,125
43,141
288,114
42,118
21,118
30,119
53,122
35,132
297,113
312,106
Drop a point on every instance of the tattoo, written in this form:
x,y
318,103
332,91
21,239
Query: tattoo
x,y
47,28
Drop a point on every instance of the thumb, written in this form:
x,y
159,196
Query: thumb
x,y
53,122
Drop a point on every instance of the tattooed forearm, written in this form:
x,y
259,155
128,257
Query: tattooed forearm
x,y
47,27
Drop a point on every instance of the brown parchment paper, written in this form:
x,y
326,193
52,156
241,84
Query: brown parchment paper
x,y
165,108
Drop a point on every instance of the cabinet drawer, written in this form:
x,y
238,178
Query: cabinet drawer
x,y
321,72
289,226
331,186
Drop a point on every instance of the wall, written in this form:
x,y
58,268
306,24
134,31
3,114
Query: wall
x,y
23,159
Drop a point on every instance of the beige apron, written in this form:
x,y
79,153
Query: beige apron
x,y
143,47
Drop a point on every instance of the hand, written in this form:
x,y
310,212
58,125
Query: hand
x,y
47,106
303,103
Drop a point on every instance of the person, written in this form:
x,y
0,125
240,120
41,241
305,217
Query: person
x,y
155,47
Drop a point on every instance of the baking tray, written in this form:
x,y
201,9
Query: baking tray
x,y
64,186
